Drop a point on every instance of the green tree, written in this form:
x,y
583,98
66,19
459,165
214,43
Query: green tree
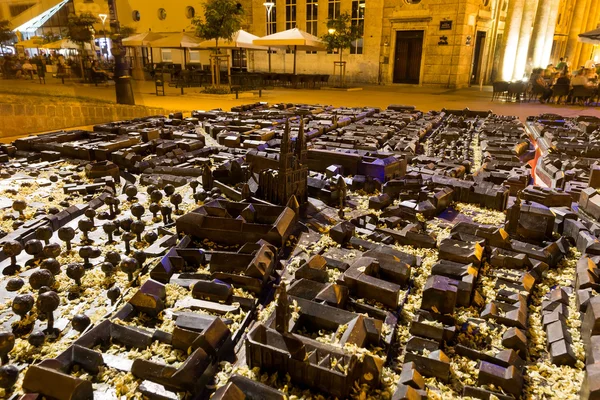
x,y
341,34
6,33
222,18
127,31
51,37
81,31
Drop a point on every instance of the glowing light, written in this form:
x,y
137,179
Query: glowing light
x,y
331,31
36,22
269,5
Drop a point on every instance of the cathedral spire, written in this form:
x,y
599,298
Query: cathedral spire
x,y
284,148
301,143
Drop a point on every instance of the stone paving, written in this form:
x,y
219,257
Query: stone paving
x,y
424,98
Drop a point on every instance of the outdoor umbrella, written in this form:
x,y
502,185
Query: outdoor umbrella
x,y
65,44
142,39
33,43
591,37
178,40
296,38
241,40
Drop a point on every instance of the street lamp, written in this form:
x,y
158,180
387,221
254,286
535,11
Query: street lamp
x,y
103,19
269,6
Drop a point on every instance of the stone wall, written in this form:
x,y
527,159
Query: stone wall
x,y
24,119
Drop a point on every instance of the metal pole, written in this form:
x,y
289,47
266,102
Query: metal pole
x,y
269,6
123,88
105,42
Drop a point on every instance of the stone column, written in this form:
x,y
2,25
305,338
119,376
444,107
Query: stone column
x,y
510,38
592,22
573,45
547,52
523,47
536,48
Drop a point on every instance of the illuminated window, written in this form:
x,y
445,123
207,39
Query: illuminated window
x,y
16,9
162,14
166,55
238,58
272,20
334,9
358,20
194,56
135,15
290,14
190,12
312,12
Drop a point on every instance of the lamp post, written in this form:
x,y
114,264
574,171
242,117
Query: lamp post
x,y
103,19
123,88
269,6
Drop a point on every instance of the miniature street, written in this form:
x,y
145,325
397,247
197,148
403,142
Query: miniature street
x,y
298,251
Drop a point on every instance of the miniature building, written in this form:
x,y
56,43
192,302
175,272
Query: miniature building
x,y
224,222
291,177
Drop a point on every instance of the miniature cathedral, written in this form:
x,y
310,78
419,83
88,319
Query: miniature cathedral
x,y
278,186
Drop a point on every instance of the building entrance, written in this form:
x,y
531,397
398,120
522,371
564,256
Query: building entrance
x,y
407,59
477,57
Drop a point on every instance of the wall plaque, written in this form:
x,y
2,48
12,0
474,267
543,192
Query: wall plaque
x,y
445,25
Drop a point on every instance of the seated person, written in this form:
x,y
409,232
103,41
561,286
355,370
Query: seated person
x,y
28,69
563,80
592,75
578,71
540,84
549,72
582,80
17,69
97,72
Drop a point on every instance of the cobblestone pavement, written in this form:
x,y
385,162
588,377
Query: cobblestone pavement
x,y
425,98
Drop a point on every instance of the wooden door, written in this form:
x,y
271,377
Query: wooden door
x,y
407,59
477,57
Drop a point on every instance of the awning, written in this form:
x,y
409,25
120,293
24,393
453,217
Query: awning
x,y
37,21
176,40
591,37
143,39
240,40
65,44
33,43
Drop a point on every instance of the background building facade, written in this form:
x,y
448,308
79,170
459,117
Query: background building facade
x,y
449,43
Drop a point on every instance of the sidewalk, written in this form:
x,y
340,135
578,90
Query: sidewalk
x,y
424,98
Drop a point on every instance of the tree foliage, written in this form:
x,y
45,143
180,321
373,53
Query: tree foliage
x,y
222,18
51,37
127,31
341,33
6,33
80,27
